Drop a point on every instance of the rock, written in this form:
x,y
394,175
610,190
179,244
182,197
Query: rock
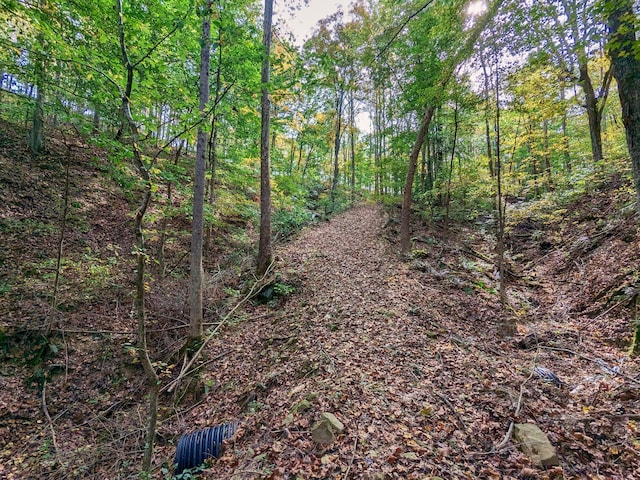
x,y
325,430
536,444
336,425
322,433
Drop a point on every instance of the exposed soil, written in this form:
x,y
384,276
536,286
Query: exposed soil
x,y
416,356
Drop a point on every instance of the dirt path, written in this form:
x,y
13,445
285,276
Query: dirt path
x,y
356,339
406,354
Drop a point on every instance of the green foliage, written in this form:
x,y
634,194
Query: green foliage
x,y
287,222
282,289
119,168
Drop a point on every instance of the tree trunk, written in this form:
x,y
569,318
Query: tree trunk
x,y
405,219
565,135
501,207
140,249
95,126
487,130
264,248
626,69
35,136
165,219
352,121
377,147
453,153
213,137
547,157
336,146
593,113
37,126
197,232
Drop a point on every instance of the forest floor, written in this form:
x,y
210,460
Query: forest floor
x,y
416,356
411,356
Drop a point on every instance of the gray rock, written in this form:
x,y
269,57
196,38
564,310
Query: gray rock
x,y
325,430
535,444
322,433
336,425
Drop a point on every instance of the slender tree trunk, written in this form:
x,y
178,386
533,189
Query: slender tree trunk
x,y
336,145
565,136
306,162
500,200
61,237
213,137
423,168
626,69
453,153
264,248
377,143
165,218
299,162
429,151
95,126
352,121
487,101
593,113
37,126
140,248
547,157
197,233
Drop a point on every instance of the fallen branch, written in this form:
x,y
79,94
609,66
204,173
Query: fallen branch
x,y
353,456
186,366
452,408
45,411
506,438
518,407
590,359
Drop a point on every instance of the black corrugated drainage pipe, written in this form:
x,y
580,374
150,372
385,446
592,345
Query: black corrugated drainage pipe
x,y
194,448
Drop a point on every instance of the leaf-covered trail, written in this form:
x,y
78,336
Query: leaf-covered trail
x,y
407,355
354,340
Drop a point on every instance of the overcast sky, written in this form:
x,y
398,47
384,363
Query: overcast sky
x,y
304,20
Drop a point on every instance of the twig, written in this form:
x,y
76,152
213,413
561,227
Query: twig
x,y
353,456
585,357
452,408
177,264
519,404
506,438
186,367
621,302
45,410
204,364
404,24
509,433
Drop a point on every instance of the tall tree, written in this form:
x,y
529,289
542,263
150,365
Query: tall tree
x,y
152,377
446,72
197,232
570,32
264,247
624,49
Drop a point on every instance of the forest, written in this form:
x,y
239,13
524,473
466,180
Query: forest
x,y
405,246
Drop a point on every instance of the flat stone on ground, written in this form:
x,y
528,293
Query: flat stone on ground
x,y
535,443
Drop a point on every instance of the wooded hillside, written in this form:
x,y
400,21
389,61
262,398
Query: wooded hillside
x,y
381,251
